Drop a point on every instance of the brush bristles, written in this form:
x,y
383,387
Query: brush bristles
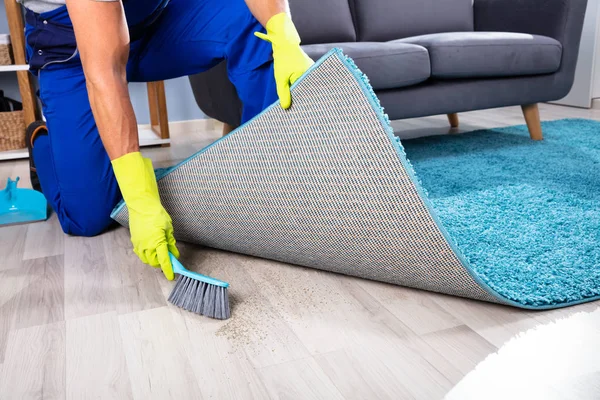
x,y
201,298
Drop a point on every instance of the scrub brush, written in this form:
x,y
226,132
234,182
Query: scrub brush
x,y
199,294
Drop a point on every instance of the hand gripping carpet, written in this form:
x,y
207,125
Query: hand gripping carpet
x,y
327,185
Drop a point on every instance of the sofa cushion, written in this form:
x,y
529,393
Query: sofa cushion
x,y
323,21
388,65
382,20
489,54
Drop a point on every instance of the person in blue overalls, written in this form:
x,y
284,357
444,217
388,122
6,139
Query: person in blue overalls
x,y
85,51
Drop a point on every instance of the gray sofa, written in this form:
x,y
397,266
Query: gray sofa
x,y
428,57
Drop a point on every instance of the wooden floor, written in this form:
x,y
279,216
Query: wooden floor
x,y
82,318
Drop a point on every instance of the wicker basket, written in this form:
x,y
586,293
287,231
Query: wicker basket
x,y
6,54
12,130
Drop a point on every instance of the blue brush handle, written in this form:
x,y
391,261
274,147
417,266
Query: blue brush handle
x,y
181,270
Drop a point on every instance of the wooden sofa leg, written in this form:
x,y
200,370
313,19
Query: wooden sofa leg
x,y
532,117
453,119
227,129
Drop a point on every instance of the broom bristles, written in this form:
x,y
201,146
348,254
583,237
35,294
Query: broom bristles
x,y
201,298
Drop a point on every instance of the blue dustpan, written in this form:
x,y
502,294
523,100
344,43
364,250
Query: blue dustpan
x,y
19,206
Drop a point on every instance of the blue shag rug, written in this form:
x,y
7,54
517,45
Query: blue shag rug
x,y
526,214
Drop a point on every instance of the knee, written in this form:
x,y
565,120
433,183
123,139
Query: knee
x,y
89,226
74,222
84,214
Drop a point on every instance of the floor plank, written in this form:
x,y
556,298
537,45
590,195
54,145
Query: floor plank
x,y
379,312
495,323
34,367
299,379
95,359
31,295
454,352
11,283
156,357
136,285
12,242
415,308
362,376
88,286
368,373
222,368
44,239
42,301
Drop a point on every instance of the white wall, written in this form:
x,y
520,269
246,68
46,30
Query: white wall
x,y
581,93
596,88
180,100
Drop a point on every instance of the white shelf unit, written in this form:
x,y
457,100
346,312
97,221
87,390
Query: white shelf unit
x,y
8,68
13,154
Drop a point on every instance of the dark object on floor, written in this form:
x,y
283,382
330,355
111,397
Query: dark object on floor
x,y
34,130
8,105
200,294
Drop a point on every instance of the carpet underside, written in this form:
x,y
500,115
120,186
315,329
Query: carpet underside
x,y
327,185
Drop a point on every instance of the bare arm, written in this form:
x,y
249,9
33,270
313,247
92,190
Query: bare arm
x,y
263,10
103,42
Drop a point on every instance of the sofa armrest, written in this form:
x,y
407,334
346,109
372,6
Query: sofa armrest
x,y
558,19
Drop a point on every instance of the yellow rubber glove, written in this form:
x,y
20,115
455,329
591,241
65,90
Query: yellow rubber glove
x,y
289,59
149,224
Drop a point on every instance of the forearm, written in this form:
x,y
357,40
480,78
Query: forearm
x,y
263,10
114,115
103,43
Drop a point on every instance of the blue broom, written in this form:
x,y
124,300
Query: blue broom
x,y
198,293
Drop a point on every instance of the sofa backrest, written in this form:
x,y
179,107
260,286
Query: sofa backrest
x,y
383,20
323,21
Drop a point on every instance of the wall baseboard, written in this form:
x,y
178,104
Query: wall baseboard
x,y
596,104
193,125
